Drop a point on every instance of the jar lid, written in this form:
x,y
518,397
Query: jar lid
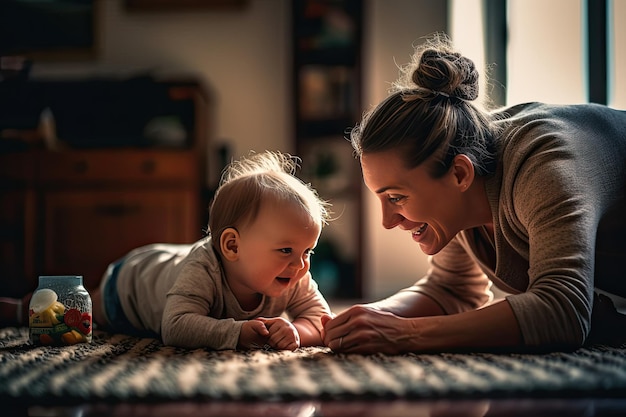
x,y
66,279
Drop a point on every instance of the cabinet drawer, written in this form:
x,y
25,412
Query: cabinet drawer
x,y
17,168
86,230
123,166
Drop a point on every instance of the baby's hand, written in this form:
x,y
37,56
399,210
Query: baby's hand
x,y
283,334
253,334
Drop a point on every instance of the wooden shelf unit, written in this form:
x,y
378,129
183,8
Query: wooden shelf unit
x,y
327,43
73,211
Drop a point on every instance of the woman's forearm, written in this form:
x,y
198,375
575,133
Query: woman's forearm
x,y
409,304
385,327
491,327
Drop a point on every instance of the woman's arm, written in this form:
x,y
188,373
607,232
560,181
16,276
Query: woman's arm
x,y
409,304
365,329
454,288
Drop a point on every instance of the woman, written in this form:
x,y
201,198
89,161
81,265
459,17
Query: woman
x,y
529,198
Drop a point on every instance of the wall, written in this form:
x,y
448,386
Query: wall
x,y
244,57
392,260
241,55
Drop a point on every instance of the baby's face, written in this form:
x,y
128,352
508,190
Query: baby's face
x,y
275,250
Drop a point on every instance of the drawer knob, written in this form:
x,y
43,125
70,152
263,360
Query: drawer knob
x,y
148,166
80,167
117,210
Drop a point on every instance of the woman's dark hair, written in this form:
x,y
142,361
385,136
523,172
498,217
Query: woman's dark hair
x,y
429,113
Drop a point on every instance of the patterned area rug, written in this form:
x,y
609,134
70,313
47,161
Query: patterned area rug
x,y
117,368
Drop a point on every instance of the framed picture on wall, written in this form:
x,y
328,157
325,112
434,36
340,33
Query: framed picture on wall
x,y
326,92
180,5
49,29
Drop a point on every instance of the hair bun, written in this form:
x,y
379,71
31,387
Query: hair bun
x,y
447,72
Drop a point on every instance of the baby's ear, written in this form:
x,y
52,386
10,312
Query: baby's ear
x,y
229,244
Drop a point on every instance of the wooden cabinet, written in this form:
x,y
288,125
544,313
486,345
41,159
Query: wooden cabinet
x,y
73,211
91,207
96,206
327,89
18,230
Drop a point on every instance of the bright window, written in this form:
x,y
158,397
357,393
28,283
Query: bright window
x,y
546,56
547,48
617,53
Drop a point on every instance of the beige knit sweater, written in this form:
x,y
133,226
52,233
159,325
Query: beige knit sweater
x,y
180,292
560,183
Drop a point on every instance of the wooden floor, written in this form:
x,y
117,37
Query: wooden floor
x,y
393,408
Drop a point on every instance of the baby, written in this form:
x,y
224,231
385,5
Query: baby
x,y
246,285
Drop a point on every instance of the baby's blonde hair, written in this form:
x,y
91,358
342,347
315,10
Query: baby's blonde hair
x,y
251,180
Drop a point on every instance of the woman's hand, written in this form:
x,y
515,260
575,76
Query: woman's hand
x,y
366,329
283,335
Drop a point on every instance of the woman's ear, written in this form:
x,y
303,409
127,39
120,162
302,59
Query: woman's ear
x,y
229,244
463,171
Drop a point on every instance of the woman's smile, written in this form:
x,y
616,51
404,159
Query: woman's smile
x,y
417,233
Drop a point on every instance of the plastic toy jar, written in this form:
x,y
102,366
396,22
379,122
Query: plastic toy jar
x,y
60,312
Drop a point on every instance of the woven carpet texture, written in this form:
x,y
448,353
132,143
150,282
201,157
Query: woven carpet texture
x,y
120,368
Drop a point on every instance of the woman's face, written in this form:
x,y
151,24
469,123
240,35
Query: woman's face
x,y
432,210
